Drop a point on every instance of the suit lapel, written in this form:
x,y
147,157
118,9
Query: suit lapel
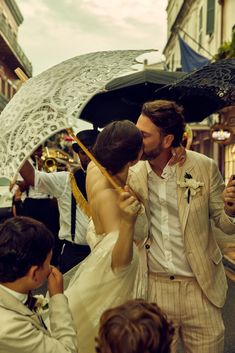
x,y
10,302
183,204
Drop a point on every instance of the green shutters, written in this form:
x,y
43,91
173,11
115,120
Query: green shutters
x,y
210,16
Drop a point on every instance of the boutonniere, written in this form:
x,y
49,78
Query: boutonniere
x,y
192,186
41,304
38,303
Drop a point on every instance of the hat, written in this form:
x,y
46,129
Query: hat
x,y
87,137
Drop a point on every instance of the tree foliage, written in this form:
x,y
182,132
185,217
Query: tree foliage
x,y
227,49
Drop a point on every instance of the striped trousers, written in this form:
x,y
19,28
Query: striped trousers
x,y
198,323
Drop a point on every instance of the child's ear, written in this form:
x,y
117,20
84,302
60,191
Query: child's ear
x,y
32,273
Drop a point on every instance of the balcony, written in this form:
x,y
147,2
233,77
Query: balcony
x,y
11,50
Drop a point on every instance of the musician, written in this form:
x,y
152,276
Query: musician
x,y
69,190
38,205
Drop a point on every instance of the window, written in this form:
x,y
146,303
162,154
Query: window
x,y
210,22
200,28
173,62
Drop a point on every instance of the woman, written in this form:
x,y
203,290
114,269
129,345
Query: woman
x,y
114,271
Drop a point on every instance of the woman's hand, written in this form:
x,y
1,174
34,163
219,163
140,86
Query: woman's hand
x,y
129,205
178,155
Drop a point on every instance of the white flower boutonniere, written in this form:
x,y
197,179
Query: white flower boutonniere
x,y
192,186
41,304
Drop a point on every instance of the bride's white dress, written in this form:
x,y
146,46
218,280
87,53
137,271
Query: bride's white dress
x,y
95,287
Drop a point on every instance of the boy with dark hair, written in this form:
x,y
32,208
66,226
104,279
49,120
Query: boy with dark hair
x,y
25,255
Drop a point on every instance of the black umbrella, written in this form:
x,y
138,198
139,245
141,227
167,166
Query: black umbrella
x,y
124,96
204,91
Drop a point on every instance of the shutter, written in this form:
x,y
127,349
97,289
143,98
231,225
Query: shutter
x,y
210,16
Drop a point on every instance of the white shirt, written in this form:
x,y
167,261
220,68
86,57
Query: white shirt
x,y
20,296
167,252
58,185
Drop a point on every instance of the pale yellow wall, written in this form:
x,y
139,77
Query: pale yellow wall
x,y
190,24
9,18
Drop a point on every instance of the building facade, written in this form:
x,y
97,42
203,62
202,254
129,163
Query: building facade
x,y
204,25
11,54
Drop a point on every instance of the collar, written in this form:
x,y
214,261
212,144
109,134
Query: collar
x,y
20,296
167,173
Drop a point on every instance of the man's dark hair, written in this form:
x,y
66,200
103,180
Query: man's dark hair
x,y
134,327
24,242
168,117
87,137
117,144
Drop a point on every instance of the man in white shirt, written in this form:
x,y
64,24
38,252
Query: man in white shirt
x,y
73,217
186,275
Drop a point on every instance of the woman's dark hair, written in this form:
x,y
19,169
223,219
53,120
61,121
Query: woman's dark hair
x,y
134,327
24,242
168,117
117,144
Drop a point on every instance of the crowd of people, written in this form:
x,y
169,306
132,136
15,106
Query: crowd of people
x,y
148,272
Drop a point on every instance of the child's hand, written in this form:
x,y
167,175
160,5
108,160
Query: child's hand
x,y
55,282
129,205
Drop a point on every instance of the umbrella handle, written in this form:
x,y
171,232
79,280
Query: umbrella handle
x,y
93,159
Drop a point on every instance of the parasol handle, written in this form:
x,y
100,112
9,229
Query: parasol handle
x,y
93,159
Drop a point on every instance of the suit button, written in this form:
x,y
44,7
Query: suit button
x,y
172,277
147,246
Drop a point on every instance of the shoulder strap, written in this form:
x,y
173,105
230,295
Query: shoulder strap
x,y
78,197
73,217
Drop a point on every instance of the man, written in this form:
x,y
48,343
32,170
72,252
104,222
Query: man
x,y
38,205
73,213
25,254
186,274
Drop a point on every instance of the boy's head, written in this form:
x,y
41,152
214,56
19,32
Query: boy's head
x,y
134,327
25,248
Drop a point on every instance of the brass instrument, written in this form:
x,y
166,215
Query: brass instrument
x,y
56,160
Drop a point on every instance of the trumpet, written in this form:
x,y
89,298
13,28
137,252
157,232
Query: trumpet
x,y
55,160
50,165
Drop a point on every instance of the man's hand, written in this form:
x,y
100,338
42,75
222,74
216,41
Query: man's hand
x,y
229,197
178,155
55,282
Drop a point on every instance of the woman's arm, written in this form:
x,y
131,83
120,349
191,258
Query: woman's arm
x,y
123,250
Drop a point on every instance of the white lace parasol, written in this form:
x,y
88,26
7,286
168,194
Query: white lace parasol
x,y
52,101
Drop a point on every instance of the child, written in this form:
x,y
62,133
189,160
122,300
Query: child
x,y
134,327
25,255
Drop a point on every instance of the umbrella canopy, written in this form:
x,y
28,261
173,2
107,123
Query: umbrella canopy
x,y
204,91
124,96
52,101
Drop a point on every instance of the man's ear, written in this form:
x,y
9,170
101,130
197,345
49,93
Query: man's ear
x,y
168,139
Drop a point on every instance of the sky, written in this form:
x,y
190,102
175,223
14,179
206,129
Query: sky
x,y
56,30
